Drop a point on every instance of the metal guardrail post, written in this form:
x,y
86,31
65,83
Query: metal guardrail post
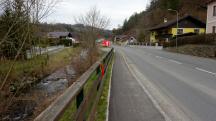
x,y
79,98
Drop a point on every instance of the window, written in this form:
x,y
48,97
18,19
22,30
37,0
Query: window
x,y
214,29
180,31
197,31
214,11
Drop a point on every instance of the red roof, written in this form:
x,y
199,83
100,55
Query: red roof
x,y
210,1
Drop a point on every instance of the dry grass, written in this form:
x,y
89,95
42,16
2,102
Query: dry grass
x,y
30,71
81,65
37,67
103,102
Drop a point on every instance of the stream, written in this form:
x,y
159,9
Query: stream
x,y
48,88
23,109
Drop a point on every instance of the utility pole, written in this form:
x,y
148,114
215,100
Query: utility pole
x,y
177,26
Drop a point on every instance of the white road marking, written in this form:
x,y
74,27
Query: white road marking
x,y
109,93
159,57
177,62
203,70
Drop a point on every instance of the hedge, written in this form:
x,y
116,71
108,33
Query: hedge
x,y
206,39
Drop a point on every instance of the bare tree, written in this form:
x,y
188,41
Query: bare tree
x,y
17,29
35,10
42,8
94,23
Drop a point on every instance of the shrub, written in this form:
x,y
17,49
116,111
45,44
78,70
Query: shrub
x,y
53,41
65,42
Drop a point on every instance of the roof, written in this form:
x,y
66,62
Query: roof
x,y
57,34
210,1
121,36
173,22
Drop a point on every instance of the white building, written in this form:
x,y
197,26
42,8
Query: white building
x,y
211,17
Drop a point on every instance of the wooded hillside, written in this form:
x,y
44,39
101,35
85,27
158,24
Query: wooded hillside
x,y
155,13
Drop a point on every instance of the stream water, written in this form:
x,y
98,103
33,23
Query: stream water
x,y
49,87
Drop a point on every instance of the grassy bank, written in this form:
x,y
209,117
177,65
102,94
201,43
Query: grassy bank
x,y
102,105
69,114
37,67
103,102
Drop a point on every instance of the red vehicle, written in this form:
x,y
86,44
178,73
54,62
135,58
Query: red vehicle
x,y
106,43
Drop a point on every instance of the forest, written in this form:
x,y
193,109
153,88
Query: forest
x,y
155,13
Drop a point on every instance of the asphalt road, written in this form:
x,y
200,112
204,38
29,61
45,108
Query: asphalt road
x,y
183,86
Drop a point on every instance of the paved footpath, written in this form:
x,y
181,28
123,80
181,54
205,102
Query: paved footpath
x,y
128,101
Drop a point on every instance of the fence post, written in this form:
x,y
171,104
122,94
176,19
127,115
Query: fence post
x,y
79,98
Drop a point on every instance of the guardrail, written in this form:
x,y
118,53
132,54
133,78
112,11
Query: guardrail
x,y
147,47
144,44
79,101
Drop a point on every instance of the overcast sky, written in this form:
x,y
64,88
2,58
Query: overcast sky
x,y
116,10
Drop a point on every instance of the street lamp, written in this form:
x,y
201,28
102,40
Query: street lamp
x,y
176,26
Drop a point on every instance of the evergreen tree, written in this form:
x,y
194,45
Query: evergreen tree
x,y
16,30
173,4
141,36
125,25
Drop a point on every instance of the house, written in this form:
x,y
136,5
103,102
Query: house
x,y
188,25
120,38
57,35
125,38
67,38
132,40
211,17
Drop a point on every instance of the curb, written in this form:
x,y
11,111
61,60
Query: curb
x,y
109,93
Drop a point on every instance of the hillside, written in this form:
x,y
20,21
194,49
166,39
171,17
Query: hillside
x,y
155,13
45,27
60,27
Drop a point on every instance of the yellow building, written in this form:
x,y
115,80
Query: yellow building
x,y
188,25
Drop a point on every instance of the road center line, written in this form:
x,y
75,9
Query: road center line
x,y
203,70
177,62
159,57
